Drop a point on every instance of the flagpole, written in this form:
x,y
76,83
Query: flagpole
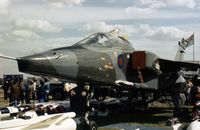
x,y
193,50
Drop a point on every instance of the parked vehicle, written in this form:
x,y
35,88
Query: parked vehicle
x,y
57,91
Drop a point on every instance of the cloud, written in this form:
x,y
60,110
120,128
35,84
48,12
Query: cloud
x,y
97,27
163,33
183,3
146,7
111,1
152,3
164,3
27,29
21,35
104,27
166,33
63,3
4,7
36,25
138,12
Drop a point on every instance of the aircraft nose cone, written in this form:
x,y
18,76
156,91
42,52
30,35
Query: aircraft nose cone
x,y
54,63
35,64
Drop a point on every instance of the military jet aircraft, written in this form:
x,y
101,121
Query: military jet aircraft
x,y
104,59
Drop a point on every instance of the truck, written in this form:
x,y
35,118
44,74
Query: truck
x,y
60,90
57,91
10,77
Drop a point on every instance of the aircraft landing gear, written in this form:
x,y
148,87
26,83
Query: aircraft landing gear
x,y
92,125
83,125
80,103
77,101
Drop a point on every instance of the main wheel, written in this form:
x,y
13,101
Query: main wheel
x,y
82,124
92,125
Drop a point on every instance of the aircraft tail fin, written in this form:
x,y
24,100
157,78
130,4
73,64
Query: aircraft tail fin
x,y
180,54
183,44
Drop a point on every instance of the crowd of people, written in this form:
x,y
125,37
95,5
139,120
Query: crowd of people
x,y
31,90
189,96
24,91
195,97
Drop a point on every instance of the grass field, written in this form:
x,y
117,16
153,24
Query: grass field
x,y
154,117
2,101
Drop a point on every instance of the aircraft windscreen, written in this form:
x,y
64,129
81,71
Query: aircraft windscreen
x,y
102,40
84,41
96,40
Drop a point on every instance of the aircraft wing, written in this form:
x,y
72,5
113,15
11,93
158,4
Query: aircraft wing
x,y
171,66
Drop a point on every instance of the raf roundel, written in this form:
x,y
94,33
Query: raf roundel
x,y
120,61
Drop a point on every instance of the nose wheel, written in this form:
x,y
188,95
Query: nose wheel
x,y
92,125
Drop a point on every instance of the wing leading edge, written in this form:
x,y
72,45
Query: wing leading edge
x,y
172,66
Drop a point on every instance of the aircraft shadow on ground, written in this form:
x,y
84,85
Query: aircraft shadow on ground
x,y
155,117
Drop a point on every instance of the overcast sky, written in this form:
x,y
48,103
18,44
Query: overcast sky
x,y
32,26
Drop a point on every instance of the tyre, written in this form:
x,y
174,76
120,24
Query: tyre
x,y
58,95
92,125
83,125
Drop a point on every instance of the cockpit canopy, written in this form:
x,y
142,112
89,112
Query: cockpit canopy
x,y
103,40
